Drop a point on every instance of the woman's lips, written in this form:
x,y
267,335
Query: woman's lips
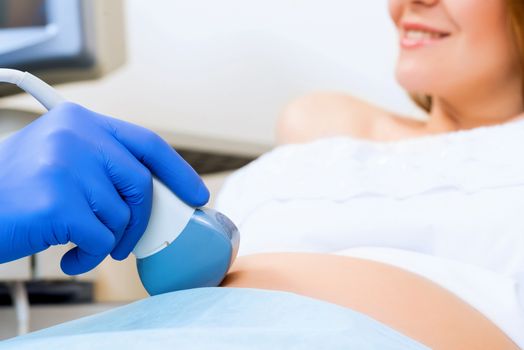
x,y
415,35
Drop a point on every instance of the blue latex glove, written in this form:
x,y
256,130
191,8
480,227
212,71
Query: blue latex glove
x,y
77,176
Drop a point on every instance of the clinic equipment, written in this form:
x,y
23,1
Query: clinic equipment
x,y
183,247
62,41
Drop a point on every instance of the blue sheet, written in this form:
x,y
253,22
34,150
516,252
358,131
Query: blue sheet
x,y
220,318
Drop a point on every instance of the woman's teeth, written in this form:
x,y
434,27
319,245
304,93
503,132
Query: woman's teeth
x,y
422,35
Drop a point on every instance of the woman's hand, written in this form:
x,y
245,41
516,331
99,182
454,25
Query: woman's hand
x,y
77,176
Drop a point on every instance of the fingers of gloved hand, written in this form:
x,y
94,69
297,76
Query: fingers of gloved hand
x,y
133,181
76,261
162,160
108,205
94,241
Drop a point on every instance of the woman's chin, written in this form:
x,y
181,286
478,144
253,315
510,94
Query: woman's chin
x,y
417,80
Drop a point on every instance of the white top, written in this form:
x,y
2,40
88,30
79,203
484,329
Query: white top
x,y
457,196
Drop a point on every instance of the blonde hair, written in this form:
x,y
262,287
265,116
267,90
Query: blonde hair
x,y
516,26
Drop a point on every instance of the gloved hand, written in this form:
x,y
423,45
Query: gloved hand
x,y
77,176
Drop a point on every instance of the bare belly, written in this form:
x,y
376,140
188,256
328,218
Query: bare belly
x,y
407,302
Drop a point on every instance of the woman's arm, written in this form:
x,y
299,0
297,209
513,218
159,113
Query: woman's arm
x,y
406,302
321,115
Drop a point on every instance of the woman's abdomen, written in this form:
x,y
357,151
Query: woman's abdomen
x,y
407,302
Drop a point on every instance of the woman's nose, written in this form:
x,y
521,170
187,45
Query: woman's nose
x,y
399,7
403,4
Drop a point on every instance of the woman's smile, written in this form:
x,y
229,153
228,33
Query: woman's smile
x,y
415,35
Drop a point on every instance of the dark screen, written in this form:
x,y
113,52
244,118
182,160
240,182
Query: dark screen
x,y
22,13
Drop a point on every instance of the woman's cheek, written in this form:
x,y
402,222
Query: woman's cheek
x,y
479,20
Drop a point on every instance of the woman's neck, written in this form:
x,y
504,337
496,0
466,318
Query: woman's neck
x,y
497,106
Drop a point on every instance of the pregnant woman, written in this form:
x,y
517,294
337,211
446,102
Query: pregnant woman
x,y
425,216
416,224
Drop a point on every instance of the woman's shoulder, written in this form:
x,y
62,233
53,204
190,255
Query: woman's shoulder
x,y
320,115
